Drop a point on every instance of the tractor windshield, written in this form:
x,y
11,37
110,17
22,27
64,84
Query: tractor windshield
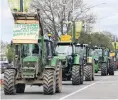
x,y
95,52
98,52
31,49
80,50
64,49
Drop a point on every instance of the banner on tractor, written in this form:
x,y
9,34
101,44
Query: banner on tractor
x,y
78,29
26,33
15,4
66,38
115,45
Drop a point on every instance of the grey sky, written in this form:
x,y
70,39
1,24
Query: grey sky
x,y
109,13
109,10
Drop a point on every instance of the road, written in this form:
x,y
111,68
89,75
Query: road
x,y
104,87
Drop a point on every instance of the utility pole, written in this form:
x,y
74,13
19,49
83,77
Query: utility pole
x,y
73,21
21,5
115,43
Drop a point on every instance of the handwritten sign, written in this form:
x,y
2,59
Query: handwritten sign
x,y
26,32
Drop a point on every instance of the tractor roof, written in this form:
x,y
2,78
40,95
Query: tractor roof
x,y
65,43
83,45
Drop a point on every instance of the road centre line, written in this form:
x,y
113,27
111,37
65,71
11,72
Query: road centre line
x,y
78,91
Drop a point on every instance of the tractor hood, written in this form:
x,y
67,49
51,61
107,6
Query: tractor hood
x,y
30,59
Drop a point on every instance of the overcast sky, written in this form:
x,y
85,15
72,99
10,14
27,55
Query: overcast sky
x,y
108,11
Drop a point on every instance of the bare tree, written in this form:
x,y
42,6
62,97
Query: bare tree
x,y
55,12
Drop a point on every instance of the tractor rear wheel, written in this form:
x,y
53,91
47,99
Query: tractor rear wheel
x,y
20,88
111,69
9,82
76,75
49,81
58,80
104,69
88,72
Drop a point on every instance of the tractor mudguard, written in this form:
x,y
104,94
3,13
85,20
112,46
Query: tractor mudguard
x,y
77,60
54,62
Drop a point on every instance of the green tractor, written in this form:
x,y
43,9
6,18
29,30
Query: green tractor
x,y
72,64
89,63
95,56
34,61
105,61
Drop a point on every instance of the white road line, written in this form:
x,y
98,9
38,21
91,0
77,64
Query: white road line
x,y
78,91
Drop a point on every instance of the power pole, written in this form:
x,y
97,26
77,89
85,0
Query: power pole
x,y
115,43
21,5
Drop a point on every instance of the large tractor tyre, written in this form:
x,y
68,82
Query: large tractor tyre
x,y
9,82
115,67
111,69
82,76
104,69
88,73
76,75
49,80
58,80
20,88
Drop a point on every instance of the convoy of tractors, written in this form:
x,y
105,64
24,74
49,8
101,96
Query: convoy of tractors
x,y
38,62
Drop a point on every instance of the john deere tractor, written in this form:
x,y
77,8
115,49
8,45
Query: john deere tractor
x,y
89,63
72,64
34,61
105,61
70,59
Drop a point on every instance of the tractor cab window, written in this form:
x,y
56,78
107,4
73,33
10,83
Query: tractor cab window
x,y
31,49
80,50
64,49
91,52
106,53
35,49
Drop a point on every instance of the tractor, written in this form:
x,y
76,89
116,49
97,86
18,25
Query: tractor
x,y
72,65
105,61
34,61
116,62
89,64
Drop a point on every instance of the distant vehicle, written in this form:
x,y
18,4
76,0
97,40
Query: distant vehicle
x,y
3,66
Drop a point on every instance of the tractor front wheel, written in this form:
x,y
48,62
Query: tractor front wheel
x,y
104,69
9,82
111,69
49,80
82,75
88,72
76,75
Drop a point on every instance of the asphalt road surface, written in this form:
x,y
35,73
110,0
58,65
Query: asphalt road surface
x,y
104,87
